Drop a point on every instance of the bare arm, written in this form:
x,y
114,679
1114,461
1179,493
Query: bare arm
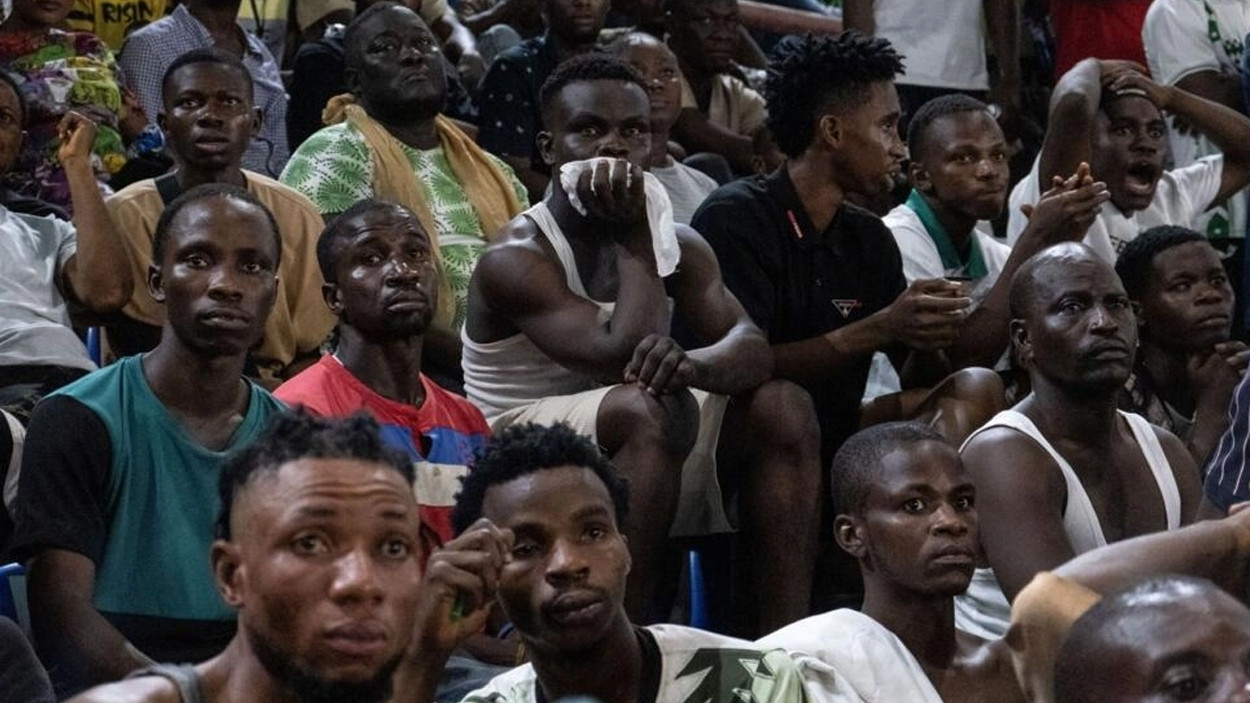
x,y
737,356
461,48
70,633
1228,129
1002,20
509,12
1217,87
1185,471
783,20
697,133
857,15
1073,110
98,274
1020,502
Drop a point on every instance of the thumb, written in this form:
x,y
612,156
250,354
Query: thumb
x,y
1026,210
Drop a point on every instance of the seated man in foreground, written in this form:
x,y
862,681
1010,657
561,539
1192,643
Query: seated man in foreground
x,y
907,512
1064,471
562,585
570,320
317,551
118,491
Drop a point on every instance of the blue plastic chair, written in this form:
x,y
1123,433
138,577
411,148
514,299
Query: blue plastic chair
x,y
13,595
698,591
93,344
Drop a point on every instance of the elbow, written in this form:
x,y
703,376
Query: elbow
x,y
106,296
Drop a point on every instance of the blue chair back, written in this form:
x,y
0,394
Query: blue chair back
x,y
13,596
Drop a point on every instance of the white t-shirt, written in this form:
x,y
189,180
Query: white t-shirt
x,y
34,320
687,188
1181,196
695,667
921,260
1183,37
847,656
942,41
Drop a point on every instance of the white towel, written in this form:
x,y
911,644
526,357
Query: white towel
x,y
659,210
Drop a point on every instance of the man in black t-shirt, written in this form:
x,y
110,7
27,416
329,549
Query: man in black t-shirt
x,y
822,277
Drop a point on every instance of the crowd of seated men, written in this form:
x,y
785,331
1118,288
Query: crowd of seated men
x,y
633,351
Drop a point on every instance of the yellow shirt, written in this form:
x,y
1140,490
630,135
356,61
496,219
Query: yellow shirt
x,y
300,320
113,20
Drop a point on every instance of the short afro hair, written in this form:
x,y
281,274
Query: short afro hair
x,y
858,462
1134,263
809,76
934,110
209,55
296,435
160,240
327,255
1080,667
594,66
524,449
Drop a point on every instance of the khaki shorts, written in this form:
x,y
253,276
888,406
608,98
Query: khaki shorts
x,y
700,509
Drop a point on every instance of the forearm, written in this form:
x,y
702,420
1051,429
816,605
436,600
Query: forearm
x,y
1073,111
783,20
457,39
1210,422
857,15
1002,25
741,360
1228,129
824,357
697,134
1215,550
922,369
76,641
500,13
416,680
100,276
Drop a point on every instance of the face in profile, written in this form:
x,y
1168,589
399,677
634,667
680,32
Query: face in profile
x,y
918,527
218,277
1129,146
1188,301
964,165
1080,331
595,118
870,152
386,281
323,569
565,583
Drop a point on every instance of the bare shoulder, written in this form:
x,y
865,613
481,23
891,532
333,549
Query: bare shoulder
x,y
1006,457
519,247
986,670
144,689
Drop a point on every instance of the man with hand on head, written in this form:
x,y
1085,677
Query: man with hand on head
x,y
570,320
1110,115
317,551
117,496
209,118
1064,471
551,505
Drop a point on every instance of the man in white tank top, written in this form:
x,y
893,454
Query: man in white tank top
x,y
1064,471
570,320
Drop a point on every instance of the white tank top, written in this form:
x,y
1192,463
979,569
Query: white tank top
x,y
513,372
983,610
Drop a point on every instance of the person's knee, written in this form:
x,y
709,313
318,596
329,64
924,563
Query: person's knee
x,y
976,387
783,417
669,421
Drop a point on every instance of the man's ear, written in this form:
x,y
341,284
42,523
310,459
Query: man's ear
x,y
334,301
920,179
848,532
545,148
228,572
1138,313
160,120
1022,346
829,130
156,284
351,79
258,118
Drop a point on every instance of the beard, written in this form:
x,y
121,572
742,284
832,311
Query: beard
x,y
308,687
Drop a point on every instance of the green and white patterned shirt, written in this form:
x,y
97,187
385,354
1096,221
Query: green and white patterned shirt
x,y
334,169
694,667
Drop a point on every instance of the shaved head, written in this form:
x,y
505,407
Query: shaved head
x,y
1041,267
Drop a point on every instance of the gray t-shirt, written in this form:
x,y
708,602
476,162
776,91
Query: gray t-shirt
x,y
34,320
687,188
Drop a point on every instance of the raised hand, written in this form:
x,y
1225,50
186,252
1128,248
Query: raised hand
x,y
928,315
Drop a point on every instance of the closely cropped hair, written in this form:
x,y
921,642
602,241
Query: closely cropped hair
x,y
809,76
934,110
1133,264
326,257
587,67
524,449
296,435
210,55
1082,656
209,190
858,463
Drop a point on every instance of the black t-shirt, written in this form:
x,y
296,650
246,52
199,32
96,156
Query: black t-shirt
x,y
797,282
